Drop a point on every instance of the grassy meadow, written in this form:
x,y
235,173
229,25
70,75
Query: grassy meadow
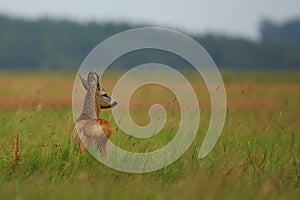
x,y
256,157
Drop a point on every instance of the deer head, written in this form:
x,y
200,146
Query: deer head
x,y
102,99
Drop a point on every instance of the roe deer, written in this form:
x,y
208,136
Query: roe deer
x,y
93,131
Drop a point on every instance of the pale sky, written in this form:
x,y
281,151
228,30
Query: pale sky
x,y
234,17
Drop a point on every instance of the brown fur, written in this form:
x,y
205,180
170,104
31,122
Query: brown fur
x,y
106,127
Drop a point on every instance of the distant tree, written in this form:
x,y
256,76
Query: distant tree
x,y
62,45
287,33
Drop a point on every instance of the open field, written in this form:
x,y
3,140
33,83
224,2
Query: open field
x,y
257,156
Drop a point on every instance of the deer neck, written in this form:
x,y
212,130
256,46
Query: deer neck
x,y
98,109
89,111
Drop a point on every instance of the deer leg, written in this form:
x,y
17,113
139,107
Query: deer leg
x,y
102,147
82,148
104,151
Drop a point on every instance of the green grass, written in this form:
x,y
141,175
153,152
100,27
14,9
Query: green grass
x,y
257,156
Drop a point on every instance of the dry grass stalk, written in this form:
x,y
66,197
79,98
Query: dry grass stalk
x,y
15,150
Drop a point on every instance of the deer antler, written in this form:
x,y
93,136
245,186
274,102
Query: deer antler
x,y
97,76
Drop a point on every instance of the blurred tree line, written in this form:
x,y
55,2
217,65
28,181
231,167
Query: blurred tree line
x,y
62,44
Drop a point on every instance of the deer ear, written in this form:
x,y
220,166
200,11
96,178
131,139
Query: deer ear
x,y
84,82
